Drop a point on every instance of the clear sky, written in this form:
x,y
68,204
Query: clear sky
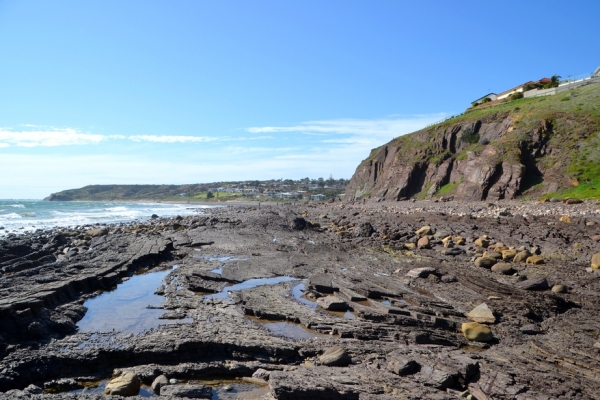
x,y
142,91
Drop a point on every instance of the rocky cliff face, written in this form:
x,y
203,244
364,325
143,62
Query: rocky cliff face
x,y
499,156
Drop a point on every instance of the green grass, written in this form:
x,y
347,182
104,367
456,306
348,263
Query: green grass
x,y
423,193
447,189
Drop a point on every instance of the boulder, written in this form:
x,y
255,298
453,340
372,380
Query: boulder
x,y
403,366
335,356
509,254
262,373
482,241
477,332
503,268
536,260
159,382
482,313
332,303
363,230
127,384
424,231
485,262
423,243
298,224
522,256
97,232
534,284
459,240
187,391
596,261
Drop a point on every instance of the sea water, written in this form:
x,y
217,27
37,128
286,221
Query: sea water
x,y
20,216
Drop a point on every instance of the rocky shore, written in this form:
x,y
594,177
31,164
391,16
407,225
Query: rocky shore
x,y
410,300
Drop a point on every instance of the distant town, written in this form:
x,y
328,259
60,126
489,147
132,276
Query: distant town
x,y
277,189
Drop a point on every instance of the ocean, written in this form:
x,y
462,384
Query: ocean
x,y
20,216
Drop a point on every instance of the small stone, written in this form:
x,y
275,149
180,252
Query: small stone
x,y
595,261
173,381
97,232
335,357
127,384
332,303
410,246
403,367
536,260
482,313
423,243
424,231
477,332
535,250
559,289
531,329
448,244
449,279
565,218
423,272
485,262
228,388
503,268
159,382
596,238
522,256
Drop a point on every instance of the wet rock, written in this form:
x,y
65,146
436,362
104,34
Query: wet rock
x,y
595,261
533,284
127,384
262,373
477,332
159,382
36,330
332,303
424,231
173,381
187,391
423,243
522,256
485,262
482,314
503,268
228,388
423,272
335,357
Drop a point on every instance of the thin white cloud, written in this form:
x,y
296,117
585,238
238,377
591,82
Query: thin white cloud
x,y
48,138
171,139
4,145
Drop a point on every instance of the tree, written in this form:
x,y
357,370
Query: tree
x,y
209,195
554,81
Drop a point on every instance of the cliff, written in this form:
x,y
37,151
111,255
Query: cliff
x,y
546,146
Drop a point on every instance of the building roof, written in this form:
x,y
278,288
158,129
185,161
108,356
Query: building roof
x,y
483,97
515,88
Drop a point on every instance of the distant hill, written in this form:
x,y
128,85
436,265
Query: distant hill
x,y
536,147
125,192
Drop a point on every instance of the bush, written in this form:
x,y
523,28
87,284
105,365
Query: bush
x,y
486,100
469,136
209,195
516,96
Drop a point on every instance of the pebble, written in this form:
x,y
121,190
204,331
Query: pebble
x,y
482,313
595,261
536,260
485,262
503,268
559,289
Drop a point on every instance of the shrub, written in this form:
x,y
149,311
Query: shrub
x,y
209,195
486,100
469,136
516,96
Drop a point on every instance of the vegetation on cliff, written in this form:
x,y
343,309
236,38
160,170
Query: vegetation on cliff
x,y
534,147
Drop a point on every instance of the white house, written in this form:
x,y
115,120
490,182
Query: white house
x,y
491,96
317,197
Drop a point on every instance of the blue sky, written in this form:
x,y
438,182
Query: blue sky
x,y
198,91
